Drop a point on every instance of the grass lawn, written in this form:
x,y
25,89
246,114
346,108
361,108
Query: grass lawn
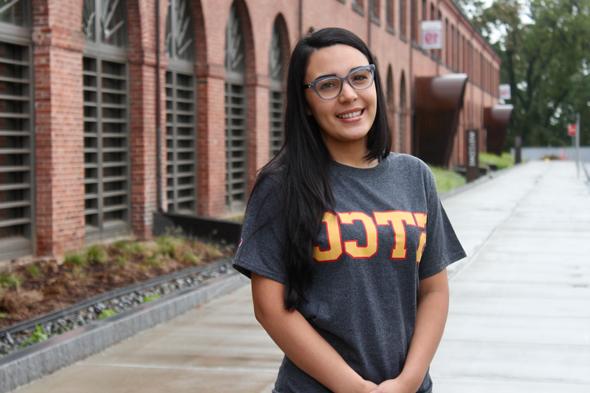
x,y
446,180
500,162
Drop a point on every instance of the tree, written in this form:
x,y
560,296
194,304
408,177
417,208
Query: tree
x,y
545,59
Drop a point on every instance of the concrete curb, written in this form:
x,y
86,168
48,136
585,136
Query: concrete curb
x,y
44,358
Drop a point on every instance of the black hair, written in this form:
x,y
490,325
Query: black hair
x,y
301,165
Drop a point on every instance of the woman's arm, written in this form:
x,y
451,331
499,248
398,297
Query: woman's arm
x,y
433,307
302,344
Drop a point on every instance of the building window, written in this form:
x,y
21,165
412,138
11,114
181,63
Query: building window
x,y
235,114
402,115
402,19
414,21
181,161
106,130
359,6
447,43
277,70
391,106
389,15
375,10
16,130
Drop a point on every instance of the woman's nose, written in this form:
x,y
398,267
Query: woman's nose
x,y
348,93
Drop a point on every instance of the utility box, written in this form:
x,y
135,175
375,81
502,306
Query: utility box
x,y
472,145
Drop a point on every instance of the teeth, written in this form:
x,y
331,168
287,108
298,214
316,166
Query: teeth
x,y
349,115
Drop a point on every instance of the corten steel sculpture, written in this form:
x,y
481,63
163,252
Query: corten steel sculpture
x,y
496,120
438,103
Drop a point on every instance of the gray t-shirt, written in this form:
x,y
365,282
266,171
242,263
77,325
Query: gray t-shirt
x,y
387,231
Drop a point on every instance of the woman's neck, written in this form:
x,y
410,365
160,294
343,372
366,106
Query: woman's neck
x,y
351,154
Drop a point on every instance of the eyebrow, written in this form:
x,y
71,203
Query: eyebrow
x,y
333,74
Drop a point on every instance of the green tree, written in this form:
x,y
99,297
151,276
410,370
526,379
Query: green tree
x,y
545,55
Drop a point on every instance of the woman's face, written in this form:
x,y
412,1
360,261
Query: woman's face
x,y
347,118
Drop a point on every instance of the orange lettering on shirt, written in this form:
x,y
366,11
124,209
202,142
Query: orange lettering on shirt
x,y
334,250
351,247
398,221
421,223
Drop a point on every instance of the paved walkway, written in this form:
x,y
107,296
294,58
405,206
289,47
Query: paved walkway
x,y
519,319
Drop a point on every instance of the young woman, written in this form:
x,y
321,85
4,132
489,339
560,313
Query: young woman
x,y
346,244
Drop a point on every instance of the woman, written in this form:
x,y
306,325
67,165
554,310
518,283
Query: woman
x,y
346,244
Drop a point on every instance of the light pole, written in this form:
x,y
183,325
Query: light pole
x,y
577,142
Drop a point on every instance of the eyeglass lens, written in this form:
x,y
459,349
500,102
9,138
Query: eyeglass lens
x,y
330,87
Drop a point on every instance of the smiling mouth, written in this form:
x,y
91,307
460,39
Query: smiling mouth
x,y
350,115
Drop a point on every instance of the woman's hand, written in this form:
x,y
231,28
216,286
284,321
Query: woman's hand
x,y
395,385
368,387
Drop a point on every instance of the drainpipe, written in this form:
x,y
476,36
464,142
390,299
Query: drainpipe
x,y
158,119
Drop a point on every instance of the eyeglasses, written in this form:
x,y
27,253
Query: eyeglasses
x,y
330,87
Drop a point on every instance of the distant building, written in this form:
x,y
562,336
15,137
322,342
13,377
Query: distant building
x,y
82,105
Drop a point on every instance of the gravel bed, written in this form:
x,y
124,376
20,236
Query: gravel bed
x,y
109,306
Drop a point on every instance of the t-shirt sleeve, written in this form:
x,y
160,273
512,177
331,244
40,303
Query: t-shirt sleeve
x,y
442,245
262,239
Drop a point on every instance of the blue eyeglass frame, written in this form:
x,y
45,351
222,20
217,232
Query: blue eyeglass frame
x,y
313,83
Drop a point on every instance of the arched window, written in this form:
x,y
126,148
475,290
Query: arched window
x,y
277,68
106,111
402,19
389,15
16,129
402,114
391,105
235,113
180,109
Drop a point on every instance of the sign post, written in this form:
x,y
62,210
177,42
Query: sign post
x,y
517,149
472,145
578,145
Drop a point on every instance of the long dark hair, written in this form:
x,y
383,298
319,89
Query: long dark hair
x,y
301,164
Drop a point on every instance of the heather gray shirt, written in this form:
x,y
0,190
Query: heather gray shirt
x,y
387,231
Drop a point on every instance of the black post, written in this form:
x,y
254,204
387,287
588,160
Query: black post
x,y
517,149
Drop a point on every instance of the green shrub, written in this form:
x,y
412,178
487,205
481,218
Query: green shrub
x,y
34,271
499,162
446,180
151,298
75,259
39,335
120,260
10,281
106,313
169,246
153,261
97,254
189,257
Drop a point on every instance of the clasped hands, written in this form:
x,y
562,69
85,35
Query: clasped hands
x,y
395,385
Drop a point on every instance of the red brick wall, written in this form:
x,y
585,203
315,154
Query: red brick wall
x,y
59,43
59,146
142,100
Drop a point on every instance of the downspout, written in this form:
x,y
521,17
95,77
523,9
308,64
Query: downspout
x,y
158,117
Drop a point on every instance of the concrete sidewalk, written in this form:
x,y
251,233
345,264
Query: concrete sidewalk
x,y
519,320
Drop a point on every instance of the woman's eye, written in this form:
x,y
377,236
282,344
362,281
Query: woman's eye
x,y
327,85
359,77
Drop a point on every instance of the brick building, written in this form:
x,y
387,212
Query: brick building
x,y
113,109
